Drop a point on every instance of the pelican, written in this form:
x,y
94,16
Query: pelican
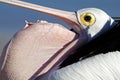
x,y
37,51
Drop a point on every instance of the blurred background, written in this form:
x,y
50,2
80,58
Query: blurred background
x,y
12,18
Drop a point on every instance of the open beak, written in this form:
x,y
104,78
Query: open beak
x,y
68,17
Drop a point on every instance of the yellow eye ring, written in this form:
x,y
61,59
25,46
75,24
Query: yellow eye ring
x,y
87,19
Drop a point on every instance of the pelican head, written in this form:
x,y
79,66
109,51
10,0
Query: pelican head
x,y
94,21
40,48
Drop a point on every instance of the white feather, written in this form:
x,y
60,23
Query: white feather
x,y
99,67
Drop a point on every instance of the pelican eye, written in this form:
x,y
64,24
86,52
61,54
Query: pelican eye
x,y
87,19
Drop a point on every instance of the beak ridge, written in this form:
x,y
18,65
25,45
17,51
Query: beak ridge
x,y
68,17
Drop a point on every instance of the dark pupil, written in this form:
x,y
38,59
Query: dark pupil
x,y
87,18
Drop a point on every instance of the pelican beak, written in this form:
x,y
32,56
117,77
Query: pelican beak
x,y
68,46
68,17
